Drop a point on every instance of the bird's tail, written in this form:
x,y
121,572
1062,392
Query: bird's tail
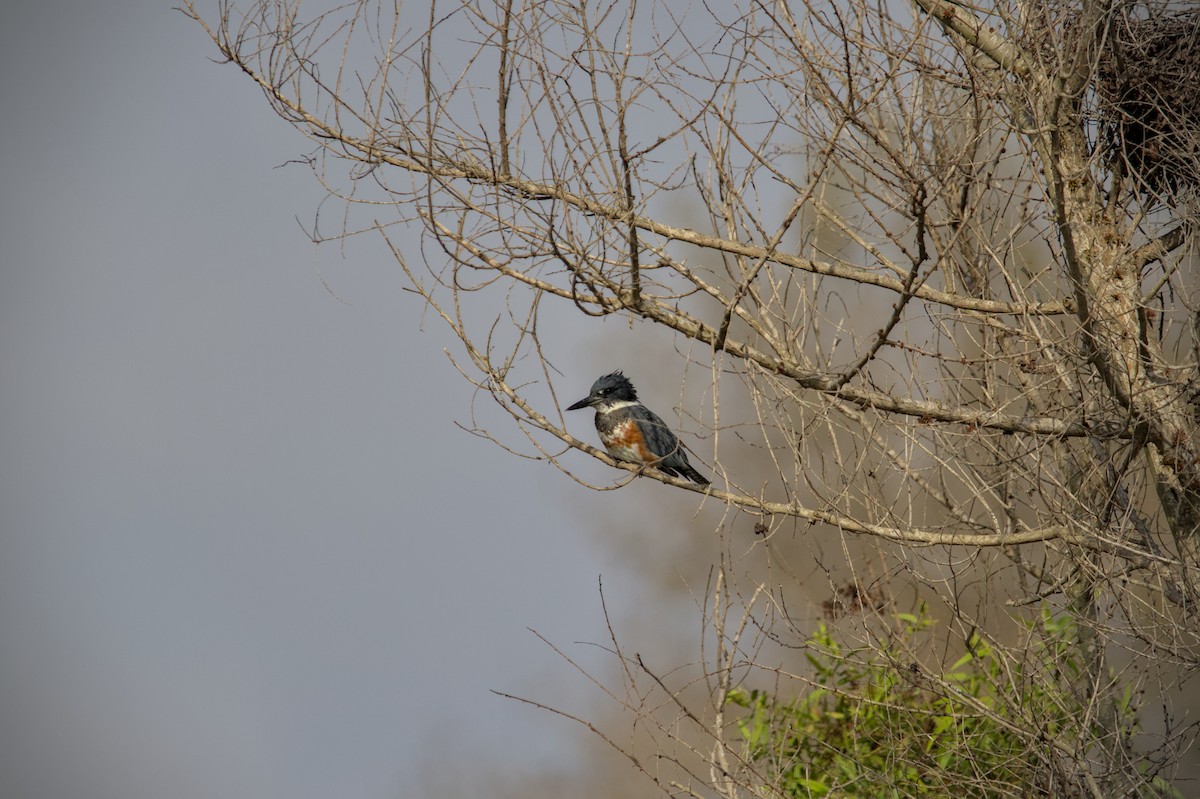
x,y
687,471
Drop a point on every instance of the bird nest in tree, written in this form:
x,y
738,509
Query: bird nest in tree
x,y
1149,92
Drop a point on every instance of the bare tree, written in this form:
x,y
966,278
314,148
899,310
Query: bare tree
x,y
931,261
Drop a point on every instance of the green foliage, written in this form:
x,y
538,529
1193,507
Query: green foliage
x,y
876,724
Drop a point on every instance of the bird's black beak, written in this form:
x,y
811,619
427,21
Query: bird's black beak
x,y
583,403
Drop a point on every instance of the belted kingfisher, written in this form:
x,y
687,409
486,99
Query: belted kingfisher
x,y
631,432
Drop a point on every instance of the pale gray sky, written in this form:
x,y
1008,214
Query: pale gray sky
x,y
244,552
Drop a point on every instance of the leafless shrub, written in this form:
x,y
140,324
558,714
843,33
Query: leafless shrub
x,y
938,317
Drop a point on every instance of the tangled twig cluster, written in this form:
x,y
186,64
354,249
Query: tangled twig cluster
x,y
1149,92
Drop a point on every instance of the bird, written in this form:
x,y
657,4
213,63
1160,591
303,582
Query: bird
x,y
633,433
